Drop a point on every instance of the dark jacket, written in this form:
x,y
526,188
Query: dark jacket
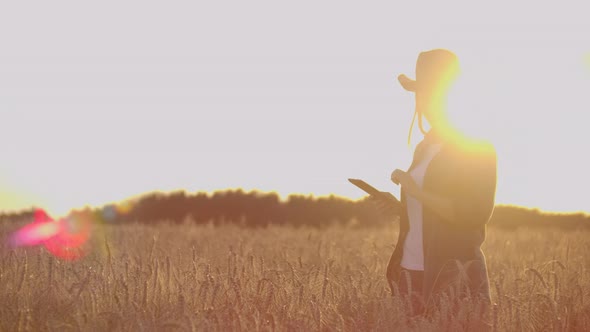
x,y
464,172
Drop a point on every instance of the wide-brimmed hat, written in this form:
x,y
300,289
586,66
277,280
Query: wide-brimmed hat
x,y
435,69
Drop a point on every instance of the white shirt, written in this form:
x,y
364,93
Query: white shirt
x,y
413,254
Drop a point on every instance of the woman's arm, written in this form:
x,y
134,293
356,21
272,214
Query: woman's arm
x,y
470,201
473,196
440,205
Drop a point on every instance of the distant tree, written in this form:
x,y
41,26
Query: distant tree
x,y
259,209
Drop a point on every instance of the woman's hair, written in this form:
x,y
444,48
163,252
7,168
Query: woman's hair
x,y
420,125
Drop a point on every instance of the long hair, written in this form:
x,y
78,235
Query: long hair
x,y
420,125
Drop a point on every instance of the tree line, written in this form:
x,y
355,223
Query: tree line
x,y
259,209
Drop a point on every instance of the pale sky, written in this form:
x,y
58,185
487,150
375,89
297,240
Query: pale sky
x,y
105,100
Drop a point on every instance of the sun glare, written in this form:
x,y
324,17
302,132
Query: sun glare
x,y
17,200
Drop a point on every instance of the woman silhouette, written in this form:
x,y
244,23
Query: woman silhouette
x,y
447,195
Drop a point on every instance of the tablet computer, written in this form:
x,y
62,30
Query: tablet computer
x,y
369,189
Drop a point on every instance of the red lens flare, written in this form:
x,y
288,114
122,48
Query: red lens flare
x,y
65,238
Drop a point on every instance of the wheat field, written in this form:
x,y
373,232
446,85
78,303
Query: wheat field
x,y
186,277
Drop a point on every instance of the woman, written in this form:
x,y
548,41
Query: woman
x,y
447,196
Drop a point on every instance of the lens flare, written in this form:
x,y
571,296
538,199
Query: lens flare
x,y
68,238
65,238
34,234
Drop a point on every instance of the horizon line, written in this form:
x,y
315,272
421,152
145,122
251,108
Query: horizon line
x,y
282,198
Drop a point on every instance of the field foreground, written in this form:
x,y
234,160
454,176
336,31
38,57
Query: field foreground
x,y
192,278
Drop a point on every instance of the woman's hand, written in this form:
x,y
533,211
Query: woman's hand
x,y
404,179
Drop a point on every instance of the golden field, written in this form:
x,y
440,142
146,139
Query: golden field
x,y
187,277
